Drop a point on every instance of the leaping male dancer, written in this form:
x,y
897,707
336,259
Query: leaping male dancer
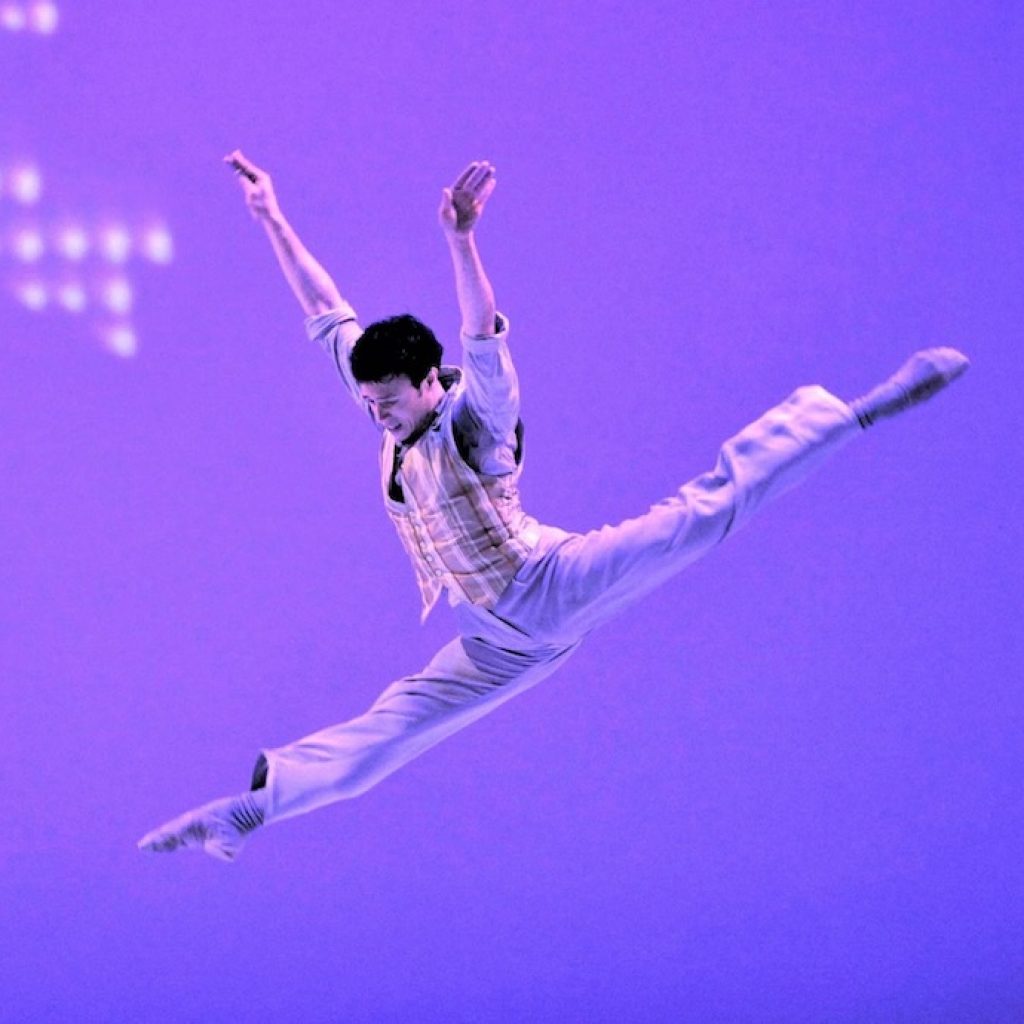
x,y
524,595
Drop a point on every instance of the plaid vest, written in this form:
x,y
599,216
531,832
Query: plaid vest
x,y
462,530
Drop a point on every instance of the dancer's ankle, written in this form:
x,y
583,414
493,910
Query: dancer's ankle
x,y
249,811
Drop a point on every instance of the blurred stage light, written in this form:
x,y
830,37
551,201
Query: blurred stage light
x,y
120,339
72,242
25,184
115,243
43,17
157,245
117,295
71,295
12,17
69,262
32,294
27,245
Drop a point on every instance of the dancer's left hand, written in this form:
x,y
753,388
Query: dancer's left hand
x,y
463,203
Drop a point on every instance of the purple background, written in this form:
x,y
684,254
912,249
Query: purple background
x,y
787,788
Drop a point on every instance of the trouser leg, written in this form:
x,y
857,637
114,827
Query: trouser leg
x,y
588,578
464,681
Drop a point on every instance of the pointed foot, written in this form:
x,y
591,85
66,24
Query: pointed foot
x,y
219,828
922,376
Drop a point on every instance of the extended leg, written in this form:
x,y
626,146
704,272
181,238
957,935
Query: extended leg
x,y
465,680
588,578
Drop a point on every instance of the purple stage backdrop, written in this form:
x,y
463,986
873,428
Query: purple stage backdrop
x,y
787,788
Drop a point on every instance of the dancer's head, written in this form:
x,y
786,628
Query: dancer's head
x,y
396,363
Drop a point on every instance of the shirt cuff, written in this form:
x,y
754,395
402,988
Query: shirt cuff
x,y
317,326
488,342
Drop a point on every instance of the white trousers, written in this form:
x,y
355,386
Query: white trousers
x,y
570,584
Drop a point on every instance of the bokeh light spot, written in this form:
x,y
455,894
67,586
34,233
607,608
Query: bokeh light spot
x,y
115,243
12,17
32,294
121,340
25,184
72,242
43,17
117,295
27,245
157,245
71,295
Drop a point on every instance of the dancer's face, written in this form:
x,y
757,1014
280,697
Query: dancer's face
x,y
398,406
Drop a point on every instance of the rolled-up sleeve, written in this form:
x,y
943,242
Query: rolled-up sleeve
x,y
336,331
488,410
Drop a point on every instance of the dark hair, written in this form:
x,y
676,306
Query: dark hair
x,y
400,346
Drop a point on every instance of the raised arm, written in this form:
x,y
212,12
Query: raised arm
x,y
487,407
461,207
312,285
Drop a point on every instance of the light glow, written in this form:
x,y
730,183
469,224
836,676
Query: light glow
x,y
121,340
157,245
43,17
115,243
33,295
12,17
117,295
72,261
27,245
72,242
25,184
71,295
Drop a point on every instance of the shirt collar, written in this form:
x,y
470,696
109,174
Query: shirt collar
x,y
449,376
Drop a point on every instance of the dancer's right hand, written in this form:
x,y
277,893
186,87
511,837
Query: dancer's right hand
x,y
257,186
